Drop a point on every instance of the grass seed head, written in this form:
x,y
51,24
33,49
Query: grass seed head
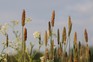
x,y
86,35
75,38
49,28
23,18
46,38
64,35
25,34
53,18
58,36
7,40
69,25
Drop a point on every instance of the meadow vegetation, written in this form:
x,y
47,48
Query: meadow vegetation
x,y
52,52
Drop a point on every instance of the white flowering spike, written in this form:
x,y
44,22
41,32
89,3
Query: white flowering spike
x,y
4,28
36,34
15,22
28,20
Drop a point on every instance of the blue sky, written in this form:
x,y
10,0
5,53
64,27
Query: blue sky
x,y
81,12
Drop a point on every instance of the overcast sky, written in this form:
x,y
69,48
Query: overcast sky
x,y
81,12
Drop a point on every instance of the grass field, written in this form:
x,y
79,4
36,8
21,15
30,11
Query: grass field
x,y
52,52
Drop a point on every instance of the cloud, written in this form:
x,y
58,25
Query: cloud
x,y
84,7
81,12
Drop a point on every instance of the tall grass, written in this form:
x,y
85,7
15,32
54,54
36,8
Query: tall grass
x,y
52,52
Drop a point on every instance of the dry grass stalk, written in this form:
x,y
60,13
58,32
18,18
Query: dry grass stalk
x,y
65,57
87,51
52,45
49,28
86,36
52,50
53,18
51,56
79,45
59,52
46,53
46,38
58,36
75,38
75,60
25,34
64,35
48,34
71,58
81,54
7,46
40,39
23,18
69,25
75,47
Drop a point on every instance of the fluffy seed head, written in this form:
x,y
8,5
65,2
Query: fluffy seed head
x,y
36,34
23,18
53,18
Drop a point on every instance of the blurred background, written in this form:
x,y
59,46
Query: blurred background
x,y
81,12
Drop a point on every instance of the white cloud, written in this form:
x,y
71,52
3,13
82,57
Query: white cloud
x,y
86,7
